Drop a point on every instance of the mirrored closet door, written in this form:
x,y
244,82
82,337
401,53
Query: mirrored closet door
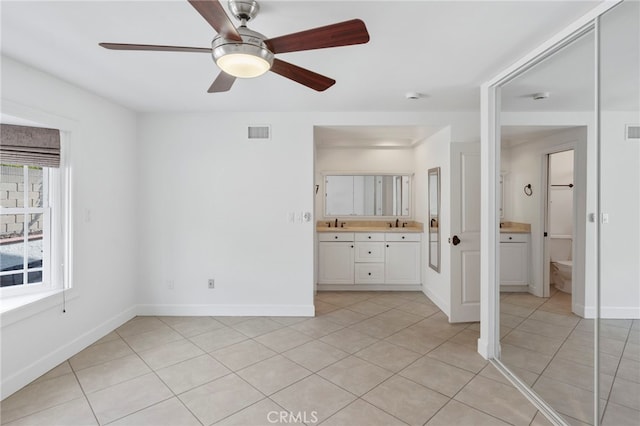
x,y
568,278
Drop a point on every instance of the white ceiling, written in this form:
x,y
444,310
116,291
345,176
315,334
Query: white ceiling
x,y
444,49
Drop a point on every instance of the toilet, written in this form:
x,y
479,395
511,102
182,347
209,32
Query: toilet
x,y
562,273
561,263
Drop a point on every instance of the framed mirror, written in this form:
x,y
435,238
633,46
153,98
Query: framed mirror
x,y
367,195
434,218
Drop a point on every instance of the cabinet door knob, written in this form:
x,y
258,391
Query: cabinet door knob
x,y
336,237
369,273
403,237
351,246
511,238
369,252
369,236
387,245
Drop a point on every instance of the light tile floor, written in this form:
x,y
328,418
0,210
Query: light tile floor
x,y
385,358
551,349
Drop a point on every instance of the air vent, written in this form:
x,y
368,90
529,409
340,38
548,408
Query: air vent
x,y
633,132
259,132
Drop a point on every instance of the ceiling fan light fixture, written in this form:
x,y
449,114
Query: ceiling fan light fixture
x,y
248,59
243,65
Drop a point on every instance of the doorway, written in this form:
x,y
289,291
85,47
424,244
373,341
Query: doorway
x,y
559,228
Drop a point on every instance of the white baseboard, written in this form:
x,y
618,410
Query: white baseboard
x,y
369,287
444,306
26,375
611,312
581,311
228,310
483,348
608,312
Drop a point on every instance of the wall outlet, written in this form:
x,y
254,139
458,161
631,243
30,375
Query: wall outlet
x,y
211,283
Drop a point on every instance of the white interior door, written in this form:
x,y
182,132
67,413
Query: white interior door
x,y
465,232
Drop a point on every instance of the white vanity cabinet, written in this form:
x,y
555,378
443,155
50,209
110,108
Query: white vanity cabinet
x,y
362,260
369,258
402,258
335,258
514,261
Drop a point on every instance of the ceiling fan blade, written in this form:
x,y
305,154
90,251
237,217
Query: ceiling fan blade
x,y
303,76
213,12
153,47
341,34
222,83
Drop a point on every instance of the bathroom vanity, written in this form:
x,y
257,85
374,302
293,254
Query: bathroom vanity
x,y
370,256
514,257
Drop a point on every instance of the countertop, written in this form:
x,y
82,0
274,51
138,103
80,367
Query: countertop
x,y
515,228
369,226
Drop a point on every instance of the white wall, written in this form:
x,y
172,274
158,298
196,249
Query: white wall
x,y
215,205
103,163
435,152
523,165
620,197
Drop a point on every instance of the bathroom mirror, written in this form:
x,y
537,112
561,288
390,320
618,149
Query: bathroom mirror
x,y
367,195
434,218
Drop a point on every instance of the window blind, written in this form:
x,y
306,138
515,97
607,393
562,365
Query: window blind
x,y
32,146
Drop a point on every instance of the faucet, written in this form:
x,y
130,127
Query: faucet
x,y
336,225
328,224
397,223
404,224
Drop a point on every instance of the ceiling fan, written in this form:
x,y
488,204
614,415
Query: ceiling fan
x,y
244,53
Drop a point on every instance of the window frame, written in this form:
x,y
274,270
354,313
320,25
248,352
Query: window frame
x,y
50,279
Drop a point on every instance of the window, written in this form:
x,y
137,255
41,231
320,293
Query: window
x,y
30,211
25,228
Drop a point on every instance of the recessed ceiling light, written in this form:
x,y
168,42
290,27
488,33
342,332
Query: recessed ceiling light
x,y
540,96
414,95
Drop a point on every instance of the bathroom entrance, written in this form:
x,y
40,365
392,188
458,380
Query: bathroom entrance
x,y
559,223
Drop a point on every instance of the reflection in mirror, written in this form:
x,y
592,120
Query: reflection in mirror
x,y
367,195
545,338
434,218
619,330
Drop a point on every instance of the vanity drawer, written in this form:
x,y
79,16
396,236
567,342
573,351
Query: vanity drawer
x,y
369,273
514,238
335,236
399,236
369,252
365,236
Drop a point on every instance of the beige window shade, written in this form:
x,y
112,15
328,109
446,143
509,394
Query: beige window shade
x,y
32,146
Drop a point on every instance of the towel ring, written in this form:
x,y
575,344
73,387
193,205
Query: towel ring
x,y
527,190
